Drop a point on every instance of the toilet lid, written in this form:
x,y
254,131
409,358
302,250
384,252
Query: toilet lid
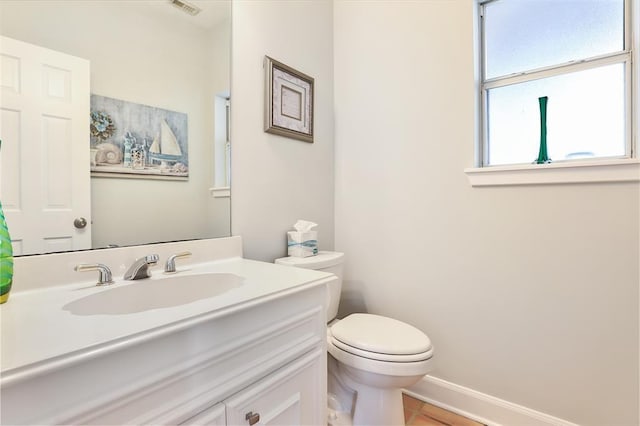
x,y
378,356
381,335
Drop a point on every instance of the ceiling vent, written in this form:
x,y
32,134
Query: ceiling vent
x,y
186,7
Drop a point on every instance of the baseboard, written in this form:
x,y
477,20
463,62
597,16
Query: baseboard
x,y
478,406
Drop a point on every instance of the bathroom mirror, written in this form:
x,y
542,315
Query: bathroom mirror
x,y
153,54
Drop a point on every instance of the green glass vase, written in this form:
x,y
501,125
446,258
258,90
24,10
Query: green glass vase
x,y
6,259
543,157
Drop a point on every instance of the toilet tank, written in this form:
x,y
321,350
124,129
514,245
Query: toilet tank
x,y
326,261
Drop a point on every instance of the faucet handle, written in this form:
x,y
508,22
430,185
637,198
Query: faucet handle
x,y
104,273
170,266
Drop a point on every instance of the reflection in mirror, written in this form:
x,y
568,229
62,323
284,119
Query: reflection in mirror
x,y
149,53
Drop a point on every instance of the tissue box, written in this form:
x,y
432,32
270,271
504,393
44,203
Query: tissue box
x,y
302,244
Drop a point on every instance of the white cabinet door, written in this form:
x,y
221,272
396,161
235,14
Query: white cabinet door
x,y
212,416
293,395
44,159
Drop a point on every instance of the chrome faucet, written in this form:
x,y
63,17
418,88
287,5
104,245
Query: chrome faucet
x,y
170,265
140,268
104,273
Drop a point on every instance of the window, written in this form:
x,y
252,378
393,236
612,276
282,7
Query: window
x,y
575,52
221,146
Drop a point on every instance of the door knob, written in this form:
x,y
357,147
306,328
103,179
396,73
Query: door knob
x,y
80,222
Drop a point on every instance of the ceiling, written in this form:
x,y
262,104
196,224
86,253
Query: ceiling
x,y
214,12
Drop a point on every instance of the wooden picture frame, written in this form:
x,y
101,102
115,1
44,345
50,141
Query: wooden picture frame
x,y
288,101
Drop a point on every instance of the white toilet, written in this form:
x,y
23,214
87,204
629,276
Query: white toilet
x,y
372,357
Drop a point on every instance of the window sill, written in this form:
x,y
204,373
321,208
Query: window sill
x,y
220,192
619,170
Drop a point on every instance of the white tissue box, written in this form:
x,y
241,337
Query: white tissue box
x,y
302,244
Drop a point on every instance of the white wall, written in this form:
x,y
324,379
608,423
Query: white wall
x,y
529,294
135,58
277,180
220,58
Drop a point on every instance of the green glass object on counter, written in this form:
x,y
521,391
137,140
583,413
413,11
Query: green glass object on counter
x,y
543,157
6,259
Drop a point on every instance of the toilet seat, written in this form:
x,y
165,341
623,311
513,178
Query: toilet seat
x,y
386,368
379,344
381,356
381,338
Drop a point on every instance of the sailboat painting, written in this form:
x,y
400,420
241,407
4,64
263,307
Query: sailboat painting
x,y
167,148
142,142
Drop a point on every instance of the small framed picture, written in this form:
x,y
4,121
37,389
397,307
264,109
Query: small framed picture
x,y
288,101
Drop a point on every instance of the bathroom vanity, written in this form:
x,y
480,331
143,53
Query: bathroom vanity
x,y
252,351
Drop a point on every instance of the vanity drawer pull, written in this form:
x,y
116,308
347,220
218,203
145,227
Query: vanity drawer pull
x,y
252,418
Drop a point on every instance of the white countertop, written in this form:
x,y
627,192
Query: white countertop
x,y
38,335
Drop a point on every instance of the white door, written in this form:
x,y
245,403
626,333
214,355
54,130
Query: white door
x,y
44,158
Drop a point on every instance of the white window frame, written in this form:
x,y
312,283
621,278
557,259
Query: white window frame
x,y
222,147
622,169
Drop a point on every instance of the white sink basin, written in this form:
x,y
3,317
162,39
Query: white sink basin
x,y
163,291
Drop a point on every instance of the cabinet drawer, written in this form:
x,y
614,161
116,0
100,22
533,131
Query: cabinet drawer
x,y
293,395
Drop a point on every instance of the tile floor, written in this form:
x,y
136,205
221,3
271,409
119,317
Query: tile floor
x,y
418,413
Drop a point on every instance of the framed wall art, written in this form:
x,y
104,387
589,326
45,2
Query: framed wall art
x,y
288,101
130,140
